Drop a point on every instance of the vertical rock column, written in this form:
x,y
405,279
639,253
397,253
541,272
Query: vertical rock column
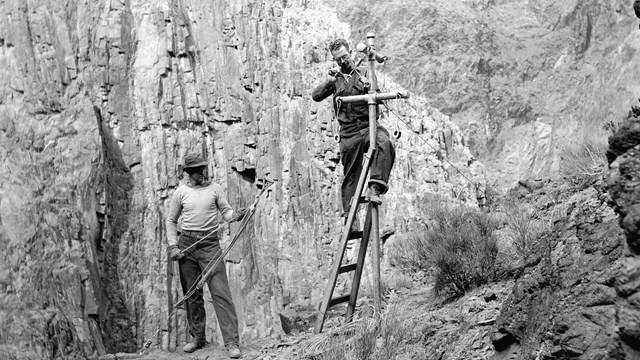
x,y
102,100
624,191
64,189
231,80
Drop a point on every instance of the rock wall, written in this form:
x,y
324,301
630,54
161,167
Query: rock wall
x,y
534,84
564,302
624,197
100,102
578,299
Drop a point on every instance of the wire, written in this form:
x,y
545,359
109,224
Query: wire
x,y
431,146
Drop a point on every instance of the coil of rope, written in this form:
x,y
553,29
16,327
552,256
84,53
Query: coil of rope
x,y
213,263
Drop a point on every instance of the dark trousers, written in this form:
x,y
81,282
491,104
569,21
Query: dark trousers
x,y
352,150
192,266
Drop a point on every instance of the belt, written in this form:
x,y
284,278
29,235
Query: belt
x,y
196,232
209,233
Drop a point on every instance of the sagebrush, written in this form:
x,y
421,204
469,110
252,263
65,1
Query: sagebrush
x,y
460,244
525,232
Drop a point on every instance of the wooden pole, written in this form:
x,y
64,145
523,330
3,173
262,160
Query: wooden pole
x,y
373,134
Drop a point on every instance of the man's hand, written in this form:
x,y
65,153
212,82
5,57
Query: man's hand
x,y
239,214
332,75
175,253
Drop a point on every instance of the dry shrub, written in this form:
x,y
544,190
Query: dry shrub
x,y
370,339
525,232
585,164
461,244
583,155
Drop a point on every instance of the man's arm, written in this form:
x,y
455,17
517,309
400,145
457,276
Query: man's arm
x,y
175,208
228,214
324,89
223,205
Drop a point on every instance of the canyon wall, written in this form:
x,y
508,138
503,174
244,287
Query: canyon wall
x,y
100,102
535,85
622,184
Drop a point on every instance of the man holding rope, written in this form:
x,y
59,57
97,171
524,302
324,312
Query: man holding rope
x,y
201,204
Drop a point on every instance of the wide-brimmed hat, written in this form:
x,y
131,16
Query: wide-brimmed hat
x,y
192,161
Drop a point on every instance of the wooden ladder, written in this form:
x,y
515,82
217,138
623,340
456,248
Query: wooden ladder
x,y
370,230
371,227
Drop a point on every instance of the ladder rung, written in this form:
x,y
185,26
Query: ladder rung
x,y
347,268
337,268
339,300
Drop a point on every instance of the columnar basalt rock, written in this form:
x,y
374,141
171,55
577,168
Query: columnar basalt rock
x,y
579,300
517,76
624,191
563,305
101,101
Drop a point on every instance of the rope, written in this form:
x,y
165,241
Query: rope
x,y
202,278
338,104
204,237
334,121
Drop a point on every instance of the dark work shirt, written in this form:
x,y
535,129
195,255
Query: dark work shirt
x,y
352,117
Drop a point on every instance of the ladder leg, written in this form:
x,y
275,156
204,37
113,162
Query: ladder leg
x,y
331,284
375,257
357,276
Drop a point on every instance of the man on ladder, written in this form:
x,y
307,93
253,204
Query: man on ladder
x,y
354,127
357,88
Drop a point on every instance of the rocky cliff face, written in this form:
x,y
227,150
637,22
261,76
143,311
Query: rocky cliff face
x,y
100,102
564,303
623,189
577,299
533,83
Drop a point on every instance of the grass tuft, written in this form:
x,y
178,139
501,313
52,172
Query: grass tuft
x,y
394,334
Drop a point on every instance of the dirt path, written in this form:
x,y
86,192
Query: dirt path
x,y
458,329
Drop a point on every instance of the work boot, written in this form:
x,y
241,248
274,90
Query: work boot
x,y
374,194
234,351
194,345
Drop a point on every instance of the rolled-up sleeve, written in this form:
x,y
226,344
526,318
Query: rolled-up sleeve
x,y
175,208
223,204
322,91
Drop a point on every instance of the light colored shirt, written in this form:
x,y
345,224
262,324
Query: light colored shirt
x,y
200,208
